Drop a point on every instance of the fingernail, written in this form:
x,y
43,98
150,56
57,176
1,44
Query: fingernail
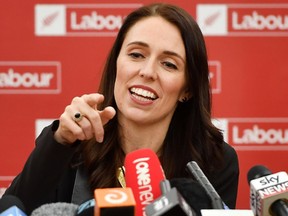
x,y
100,139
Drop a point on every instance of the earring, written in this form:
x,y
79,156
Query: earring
x,y
184,99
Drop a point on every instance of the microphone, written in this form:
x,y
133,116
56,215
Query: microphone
x,y
171,203
11,206
194,194
143,173
200,177
114,202
86,208
55,209
217,207
268,192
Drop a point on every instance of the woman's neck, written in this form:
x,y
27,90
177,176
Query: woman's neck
x,y
135,136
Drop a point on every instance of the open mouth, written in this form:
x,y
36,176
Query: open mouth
x,y
142,94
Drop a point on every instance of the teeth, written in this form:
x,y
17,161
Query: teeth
x,y
143,93
141,98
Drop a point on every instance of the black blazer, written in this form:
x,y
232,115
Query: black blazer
x,y
36,186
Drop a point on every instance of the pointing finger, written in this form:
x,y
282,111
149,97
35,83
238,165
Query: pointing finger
x,y
107,114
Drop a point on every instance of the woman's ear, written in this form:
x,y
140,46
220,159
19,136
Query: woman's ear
x,y
185,96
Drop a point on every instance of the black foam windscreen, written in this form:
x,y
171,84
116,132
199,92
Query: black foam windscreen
x,y
193,193
256,172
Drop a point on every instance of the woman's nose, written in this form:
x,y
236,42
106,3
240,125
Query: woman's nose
x,y
149,70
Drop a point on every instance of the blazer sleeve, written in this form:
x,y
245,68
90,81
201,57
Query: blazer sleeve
x,y
226,179
38,181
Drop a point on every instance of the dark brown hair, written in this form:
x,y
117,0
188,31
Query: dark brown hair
x,y
191,135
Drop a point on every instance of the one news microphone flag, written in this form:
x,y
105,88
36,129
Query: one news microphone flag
x,y
195,170
268,192
143,174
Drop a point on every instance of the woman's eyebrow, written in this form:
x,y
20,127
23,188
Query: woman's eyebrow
x,y
166,52
138,43
171,53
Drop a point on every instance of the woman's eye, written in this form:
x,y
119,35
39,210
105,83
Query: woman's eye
x,y
136,55
170,65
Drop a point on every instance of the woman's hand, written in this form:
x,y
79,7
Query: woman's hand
x,y
89,125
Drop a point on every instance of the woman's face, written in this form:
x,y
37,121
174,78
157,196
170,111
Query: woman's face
x,y
150,72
